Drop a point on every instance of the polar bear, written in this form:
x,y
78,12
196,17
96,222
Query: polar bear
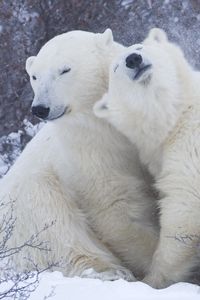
x,y
79,171
154,99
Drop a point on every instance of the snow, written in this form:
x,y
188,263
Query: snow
x,y
23,15
3,165
31,129
62,288
13,145
126,3
13,142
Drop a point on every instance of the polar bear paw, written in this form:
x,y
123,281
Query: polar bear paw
x,y
109,275
157,282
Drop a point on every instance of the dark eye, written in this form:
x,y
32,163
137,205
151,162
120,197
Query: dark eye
x,y
139,48
66,70
34,77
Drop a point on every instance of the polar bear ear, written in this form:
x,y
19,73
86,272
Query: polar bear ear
x,y
108,36
105,38
29,63
100,108
158,35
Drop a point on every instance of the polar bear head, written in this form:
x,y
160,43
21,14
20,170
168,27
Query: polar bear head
x,y
149,84
70,72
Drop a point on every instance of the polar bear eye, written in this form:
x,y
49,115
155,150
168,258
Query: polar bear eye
x,y
34,77
66,70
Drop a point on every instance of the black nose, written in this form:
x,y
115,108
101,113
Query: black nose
x,y
134,60
40,111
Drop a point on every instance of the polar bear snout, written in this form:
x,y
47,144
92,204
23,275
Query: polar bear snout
x,y
134,60
40,111
138,66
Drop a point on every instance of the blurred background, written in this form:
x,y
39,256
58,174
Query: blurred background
x,y
25,25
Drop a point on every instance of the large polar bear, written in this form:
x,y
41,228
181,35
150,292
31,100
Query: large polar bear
x,y
154,99
78,170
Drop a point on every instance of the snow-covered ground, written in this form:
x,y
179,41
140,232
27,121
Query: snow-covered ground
x,y
57,287
62,288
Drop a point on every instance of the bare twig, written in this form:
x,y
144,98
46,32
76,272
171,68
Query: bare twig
x,y
15,285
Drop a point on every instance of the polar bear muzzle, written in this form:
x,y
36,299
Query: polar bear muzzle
x,y
136,62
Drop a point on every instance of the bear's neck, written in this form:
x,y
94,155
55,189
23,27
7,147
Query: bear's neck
x,y
152,133
148,123
160,129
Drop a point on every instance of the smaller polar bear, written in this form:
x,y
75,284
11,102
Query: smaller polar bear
x,y
78,170
154,99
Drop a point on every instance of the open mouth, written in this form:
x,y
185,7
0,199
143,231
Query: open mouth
x,y
141,70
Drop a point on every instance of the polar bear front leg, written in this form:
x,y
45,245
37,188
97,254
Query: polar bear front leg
x,y
89,258
41,200
176,254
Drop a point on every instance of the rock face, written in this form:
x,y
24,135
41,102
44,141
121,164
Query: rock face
x,y
25,25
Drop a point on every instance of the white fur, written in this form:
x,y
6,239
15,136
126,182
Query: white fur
x,y
79,171
160,114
